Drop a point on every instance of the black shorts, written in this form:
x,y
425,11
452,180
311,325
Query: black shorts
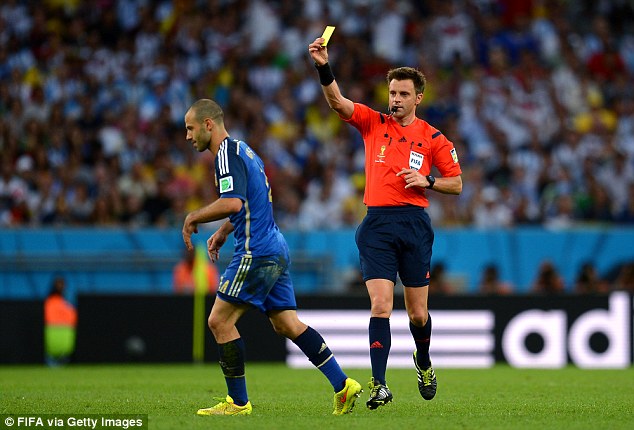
x,y
395,240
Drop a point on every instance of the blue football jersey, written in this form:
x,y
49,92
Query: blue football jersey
x,y
240,174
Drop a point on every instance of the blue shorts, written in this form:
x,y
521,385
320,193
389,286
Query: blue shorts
x,y
396,240
262,282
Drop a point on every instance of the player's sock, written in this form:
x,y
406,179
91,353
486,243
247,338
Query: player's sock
x,y
314,347
422,336
232,364
380,343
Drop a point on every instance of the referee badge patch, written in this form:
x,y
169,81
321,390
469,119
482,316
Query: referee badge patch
x,y
454,155
226,184
415,160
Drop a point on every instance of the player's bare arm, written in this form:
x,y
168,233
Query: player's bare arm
x,y
217,210
444,185
337,102
217,240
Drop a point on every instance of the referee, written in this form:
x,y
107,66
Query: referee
x,y
396,236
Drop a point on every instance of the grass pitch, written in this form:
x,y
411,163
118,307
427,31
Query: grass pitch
x,y
283,398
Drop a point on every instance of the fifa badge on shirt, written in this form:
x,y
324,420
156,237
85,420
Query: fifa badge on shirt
x,y
415,160
226,184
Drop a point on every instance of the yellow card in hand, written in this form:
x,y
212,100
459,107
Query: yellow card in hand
x,y
327,33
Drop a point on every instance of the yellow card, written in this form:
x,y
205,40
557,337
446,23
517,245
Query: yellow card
x,y
327,33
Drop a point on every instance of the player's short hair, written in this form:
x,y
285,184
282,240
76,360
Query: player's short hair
x,y
405,73
207,108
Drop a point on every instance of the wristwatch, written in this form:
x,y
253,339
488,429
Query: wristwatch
x,y
431,181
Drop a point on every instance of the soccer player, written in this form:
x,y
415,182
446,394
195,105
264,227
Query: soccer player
x,y
258,275
396,236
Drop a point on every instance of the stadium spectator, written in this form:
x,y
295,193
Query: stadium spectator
x,y
561,213
323,206
588,281
388,31
453,29
60,322
438,282
13,191
626,215
491,211
492,284
353,208
183,274
625,278
548,280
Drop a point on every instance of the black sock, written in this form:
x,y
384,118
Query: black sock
x,y
422,336
314,347
380,343
232,365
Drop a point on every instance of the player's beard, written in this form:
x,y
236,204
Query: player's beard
x,y
203,142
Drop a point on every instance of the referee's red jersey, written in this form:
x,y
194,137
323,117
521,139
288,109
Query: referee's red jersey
x,y
389,148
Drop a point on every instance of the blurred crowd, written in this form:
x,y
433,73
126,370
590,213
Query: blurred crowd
x,y
548,280
537,95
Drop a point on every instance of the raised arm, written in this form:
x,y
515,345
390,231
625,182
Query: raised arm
x,y
335,99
